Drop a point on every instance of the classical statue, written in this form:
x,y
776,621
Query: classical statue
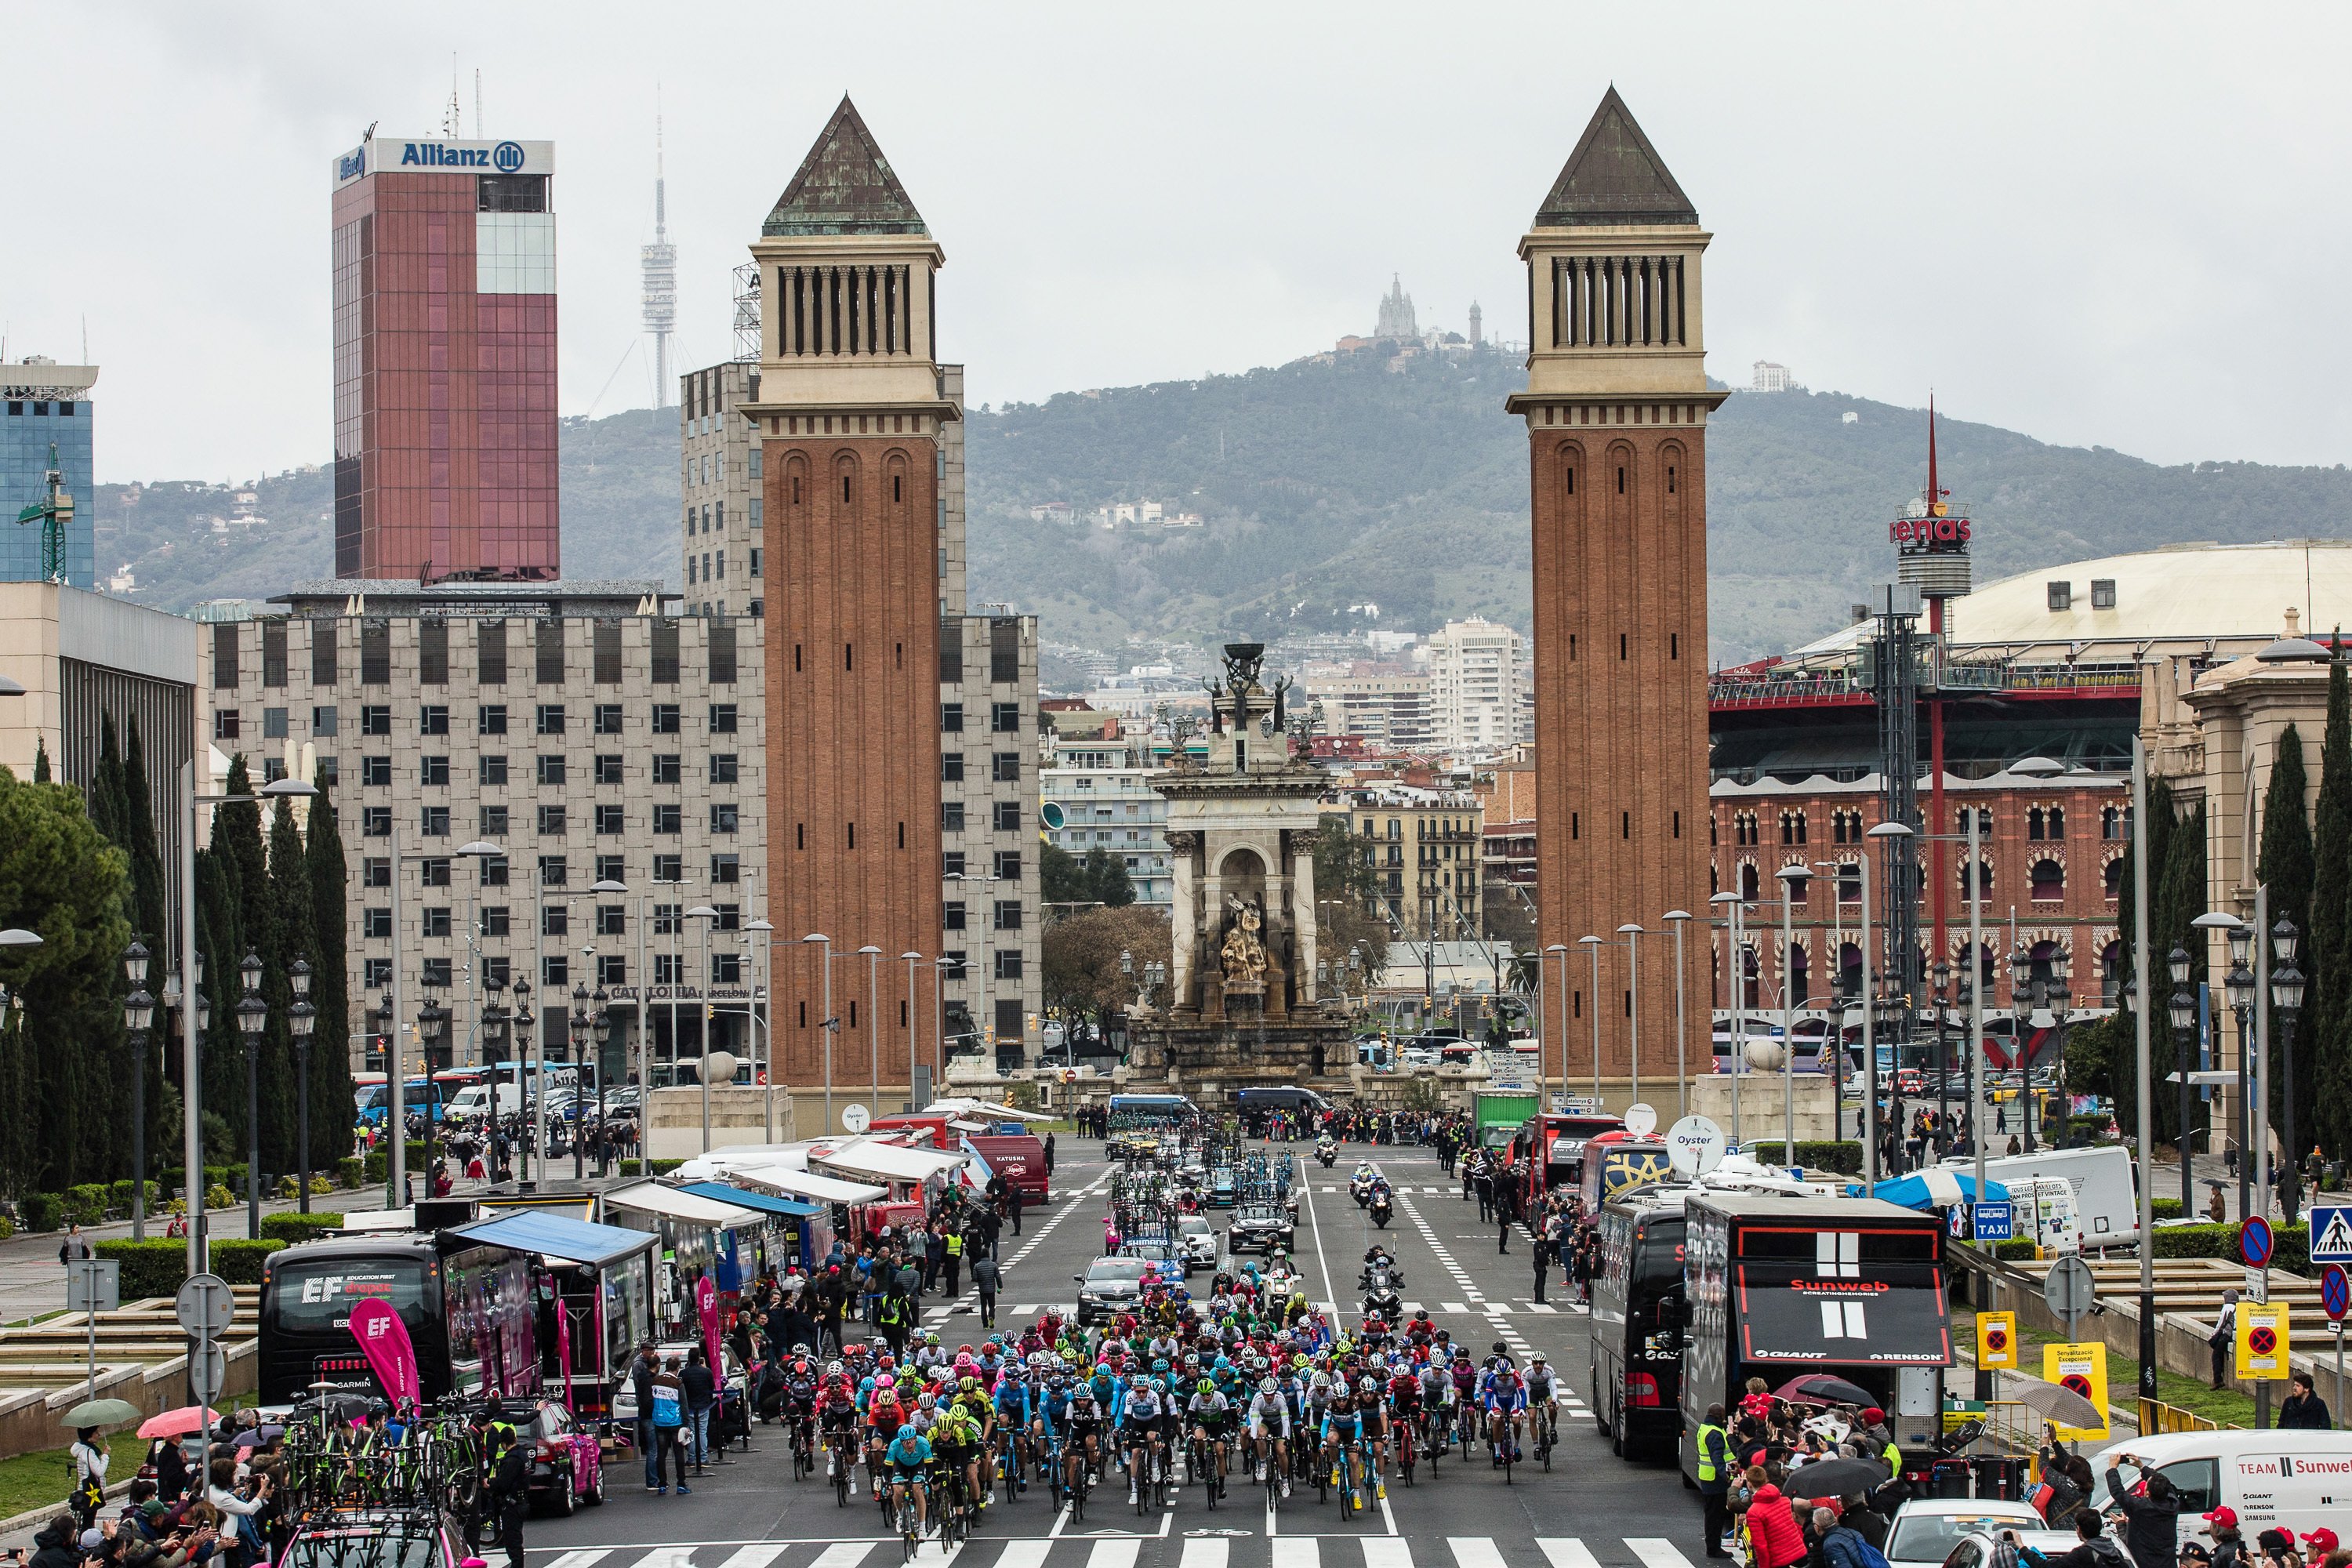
x,y
1243,956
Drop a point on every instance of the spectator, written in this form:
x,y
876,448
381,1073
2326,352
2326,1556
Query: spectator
x,y
700,1389
2092,1548
2223,1340
669,1422
2303,1408
2151,1519
642,1372
1774,1538
986,1275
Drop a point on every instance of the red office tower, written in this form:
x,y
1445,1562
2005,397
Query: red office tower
x,y
849,411
1616,406
444,361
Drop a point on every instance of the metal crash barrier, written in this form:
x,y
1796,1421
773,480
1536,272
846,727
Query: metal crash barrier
x,y
2155,1415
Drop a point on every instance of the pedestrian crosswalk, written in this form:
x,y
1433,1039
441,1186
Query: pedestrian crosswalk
x,y
1242,1545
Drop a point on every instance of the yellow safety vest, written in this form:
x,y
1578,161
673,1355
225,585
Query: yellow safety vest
x,y
1707,1470
955,1244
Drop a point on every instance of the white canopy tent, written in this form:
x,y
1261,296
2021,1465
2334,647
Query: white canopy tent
x,y
802,1184
651,1197
897,1161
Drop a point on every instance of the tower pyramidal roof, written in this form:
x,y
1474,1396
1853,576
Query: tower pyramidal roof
x,y
845,186
1614,176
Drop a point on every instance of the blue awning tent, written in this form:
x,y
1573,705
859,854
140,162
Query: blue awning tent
x,y
558,1239
1938,1188
745,1197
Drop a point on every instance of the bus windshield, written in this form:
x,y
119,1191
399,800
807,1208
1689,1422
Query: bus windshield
x,y
317,1298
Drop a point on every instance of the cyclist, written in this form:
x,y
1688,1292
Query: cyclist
x,y
1504,1396
1140,1429
1340,1427
975,1401
1404,1402
908,1454
1373,1415
884,1416
1049,1412
837,1418
1464,1374
957,1443
1541,1383
1083,1444
1269,1428
1011,1425
1211,1414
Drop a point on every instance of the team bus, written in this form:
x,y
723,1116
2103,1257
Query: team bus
x,y
1777,1286
1547,1150
471,1311
1138,1122
1617,1164
1637,1323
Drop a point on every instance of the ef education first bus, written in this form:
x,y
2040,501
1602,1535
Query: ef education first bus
x,y
471,1312
1777,1286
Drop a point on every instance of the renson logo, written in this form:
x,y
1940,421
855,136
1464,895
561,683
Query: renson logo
x,y
505,157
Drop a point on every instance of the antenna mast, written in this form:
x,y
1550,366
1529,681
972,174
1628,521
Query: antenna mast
x,y
659,262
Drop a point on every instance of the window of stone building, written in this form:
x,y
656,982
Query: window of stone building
x,y
547,643
433,652
491,653
2048,879
322,653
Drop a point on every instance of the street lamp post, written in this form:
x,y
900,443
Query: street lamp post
x,y
2286,999
302,1017
1940,975
1560,948
2240,985
874,1024
1793,881
607,1029
1679,918
432,1023
1893,838
709,917
764,941
1592,945
582,1027
525,1024
1736,968
2183,1007
913,960
252,1015
138,1018
1632,931
825,1023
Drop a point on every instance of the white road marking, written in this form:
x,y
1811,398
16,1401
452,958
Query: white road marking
x,y
667,1557
1657,1551
1206,1553
1024,1555
762,1555
841,1554
588,1559
1568,1553
1456,1307
1296,1551
1474,1552
1113,1554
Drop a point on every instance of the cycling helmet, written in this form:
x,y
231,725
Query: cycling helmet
x,y
1160,1366
1322,1379
1366,1387
833,1369
906,1432
1499,1347
1267,1385
968,1383
865,1385
1536,1357
927,1400
1141,1383
886,1364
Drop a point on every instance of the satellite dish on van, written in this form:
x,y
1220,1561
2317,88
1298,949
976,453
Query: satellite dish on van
x,y
1694,1146
1641,1120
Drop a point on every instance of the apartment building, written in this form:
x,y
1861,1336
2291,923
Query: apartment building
x,y
1426,845
1475,685
502,751
1100,776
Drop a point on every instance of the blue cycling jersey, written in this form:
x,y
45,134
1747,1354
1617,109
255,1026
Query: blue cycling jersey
x,y
909,1453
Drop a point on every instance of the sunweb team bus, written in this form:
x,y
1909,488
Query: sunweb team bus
x,y
471,1311
1637,1322
1777,1286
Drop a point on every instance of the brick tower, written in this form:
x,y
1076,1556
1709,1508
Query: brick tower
x,y
1616,408
849,410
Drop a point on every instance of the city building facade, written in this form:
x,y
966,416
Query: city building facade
x,y
1099,774
1426,845
1473,686
574,728
47,409
444,426
1616,407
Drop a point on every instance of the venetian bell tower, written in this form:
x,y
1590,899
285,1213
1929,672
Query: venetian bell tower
x,y
849,411
1616,407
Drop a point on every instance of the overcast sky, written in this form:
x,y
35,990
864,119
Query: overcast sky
x,y
2114,224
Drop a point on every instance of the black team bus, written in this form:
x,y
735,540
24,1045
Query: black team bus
x,y
1779,1285
1637,1322
471,1311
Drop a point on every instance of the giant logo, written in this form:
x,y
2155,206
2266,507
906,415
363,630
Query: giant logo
x,y
507,156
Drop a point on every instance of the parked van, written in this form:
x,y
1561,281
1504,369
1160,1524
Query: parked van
x,y
1019,1158
1265,1102
2295,1480
2107,1195
473,1101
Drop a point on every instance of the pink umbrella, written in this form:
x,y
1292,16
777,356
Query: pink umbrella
x,y
178,1422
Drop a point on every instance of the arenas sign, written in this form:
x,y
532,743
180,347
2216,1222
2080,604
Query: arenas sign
x,y
1929,532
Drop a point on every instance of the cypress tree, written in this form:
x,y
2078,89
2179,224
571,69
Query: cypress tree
x,y
2285,867
147,881
238,844
289,899
40,759
2328,964
105,801
330,1059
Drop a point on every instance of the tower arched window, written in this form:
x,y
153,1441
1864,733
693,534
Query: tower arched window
x,y
2115,878
1751,881
2048,879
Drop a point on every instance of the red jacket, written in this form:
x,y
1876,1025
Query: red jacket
x,y
1774,1538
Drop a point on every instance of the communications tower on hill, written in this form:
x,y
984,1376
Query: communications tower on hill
x,y
659,264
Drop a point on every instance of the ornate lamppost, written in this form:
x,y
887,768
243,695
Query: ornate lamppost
x,y
2286,1000
432,1023
2183,1008
302,1017
138,1018
252,1018
524,1023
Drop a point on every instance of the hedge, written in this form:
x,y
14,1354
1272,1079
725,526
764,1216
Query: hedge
x,y
161,1268
2166,1208
376,1167
292,1228
348,1171
1844,1158
2291,1250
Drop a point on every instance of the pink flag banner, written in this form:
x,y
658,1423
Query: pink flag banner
x,y
706,1302
564,1350
383,1339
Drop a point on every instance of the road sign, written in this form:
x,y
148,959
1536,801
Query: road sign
x,y
2334,1291
1996,1341
205,1306
208,1373
2069,1289
1996,1221
1641,1120
2255,1242
856,1118
94,1285
2258,1285
1956,1222
1694,1145
2262,1342
2331,1234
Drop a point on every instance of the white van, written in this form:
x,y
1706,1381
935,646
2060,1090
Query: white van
x,y
2106,1196
2292,1481
473,1101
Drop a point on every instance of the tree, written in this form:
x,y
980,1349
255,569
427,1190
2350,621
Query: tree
x,y
2327,1013
62,1091
2285,867
330,1056
1348,886
1104,877
1081,958
290,906
1060,877
2179,898
146,850
1073,883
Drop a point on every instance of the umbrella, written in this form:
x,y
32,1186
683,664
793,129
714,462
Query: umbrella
x,y
1820,1388
178,1422
100,1412
1834,1477
2056,1402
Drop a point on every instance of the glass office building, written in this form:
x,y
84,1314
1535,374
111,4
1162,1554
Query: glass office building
x,y
444,361
45,403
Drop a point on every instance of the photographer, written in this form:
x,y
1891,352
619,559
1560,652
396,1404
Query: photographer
x,y
2091,1548
2151,1512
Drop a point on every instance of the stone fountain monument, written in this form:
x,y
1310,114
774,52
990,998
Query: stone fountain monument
x,y
1243,1009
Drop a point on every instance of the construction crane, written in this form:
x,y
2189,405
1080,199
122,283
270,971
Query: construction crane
x,y
54,512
